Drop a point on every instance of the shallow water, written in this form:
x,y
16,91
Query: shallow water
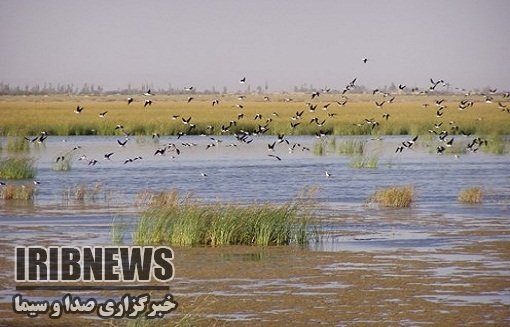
x,y
246,173
437,231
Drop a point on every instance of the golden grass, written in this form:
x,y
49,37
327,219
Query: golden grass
x,y
55,114
471,195
394,196
17,192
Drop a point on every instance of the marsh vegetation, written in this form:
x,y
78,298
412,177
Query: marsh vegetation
x,y
175,220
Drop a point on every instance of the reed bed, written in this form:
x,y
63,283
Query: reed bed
x,y
17,192
17,144
82,193
17,168
472,195
351,146
174,220
408,117
394,196
65,164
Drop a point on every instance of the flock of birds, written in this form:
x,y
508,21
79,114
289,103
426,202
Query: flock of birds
x,y
444,135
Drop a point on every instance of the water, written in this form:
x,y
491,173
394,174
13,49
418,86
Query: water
x,y
435,231
246,173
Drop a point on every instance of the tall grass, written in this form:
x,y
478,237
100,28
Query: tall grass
x,y
471,195
394,196
17,192
64,164
170,219
17,144
364,161
81,193
351,146
29,117
17,168
497,144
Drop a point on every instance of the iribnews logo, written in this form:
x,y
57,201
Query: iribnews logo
x,y
102,265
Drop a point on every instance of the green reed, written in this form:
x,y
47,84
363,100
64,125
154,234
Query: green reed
x,y
17,168
170,219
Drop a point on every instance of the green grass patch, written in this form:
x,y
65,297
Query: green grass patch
x,y
472,195
17,144
174,220
17,168
360,161
352,146
319,148
394,196
496,144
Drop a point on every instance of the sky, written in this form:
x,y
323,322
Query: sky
x,y
278,43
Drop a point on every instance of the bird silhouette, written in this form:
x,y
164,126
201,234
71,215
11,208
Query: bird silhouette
x,y
121,144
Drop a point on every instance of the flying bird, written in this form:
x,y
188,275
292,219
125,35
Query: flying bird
x,y
78,110
121,144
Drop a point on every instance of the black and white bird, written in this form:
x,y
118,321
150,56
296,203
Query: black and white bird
x,y
121,143
78,110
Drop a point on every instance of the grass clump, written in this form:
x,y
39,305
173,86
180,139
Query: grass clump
x,y
17,192
352,146
394,196
359,161
17,144
319,148
471,195
17,168
496,144
63,163
81,192
170,219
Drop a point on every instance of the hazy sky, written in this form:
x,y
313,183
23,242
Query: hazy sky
x,y
283,43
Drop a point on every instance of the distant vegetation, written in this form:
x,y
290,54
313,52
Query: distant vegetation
x,y
29,116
